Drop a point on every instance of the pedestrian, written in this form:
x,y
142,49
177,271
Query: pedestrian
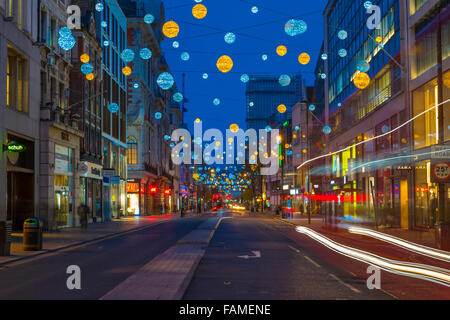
x,y
83,212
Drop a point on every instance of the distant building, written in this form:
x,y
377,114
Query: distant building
x,y
263,96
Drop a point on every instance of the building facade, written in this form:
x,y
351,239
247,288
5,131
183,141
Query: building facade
x,y
19,111
86,105
264,94
389,133
111,25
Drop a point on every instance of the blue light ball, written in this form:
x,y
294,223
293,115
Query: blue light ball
x,y
158,115
127,55
230,37
216,101
145,53
245,78
113,107
65,32
185,56
342,34
295,27
284,80
342,53
165,81
87,68
178,97
326,130
66,43
99,7
149,18
363,66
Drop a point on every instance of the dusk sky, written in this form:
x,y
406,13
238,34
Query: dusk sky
x,y
256,34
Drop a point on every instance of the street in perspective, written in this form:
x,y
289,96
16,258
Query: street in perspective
x,y
225,155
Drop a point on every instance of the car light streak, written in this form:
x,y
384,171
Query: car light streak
x,y
420,271
417,248
373,138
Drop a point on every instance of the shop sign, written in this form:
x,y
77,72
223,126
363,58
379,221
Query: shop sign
x,y
115,180
109,173
440,172
440,152
63,159
83,168
15,147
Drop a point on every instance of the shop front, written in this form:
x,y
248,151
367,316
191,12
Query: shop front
x,y
63,182
20,180
135,197
91,186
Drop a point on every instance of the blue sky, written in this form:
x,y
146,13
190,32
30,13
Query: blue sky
x,y
256,34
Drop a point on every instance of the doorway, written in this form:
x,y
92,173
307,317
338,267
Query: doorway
x,y
20,198
404,204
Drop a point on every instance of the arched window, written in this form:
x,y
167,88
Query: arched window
x,y
132,156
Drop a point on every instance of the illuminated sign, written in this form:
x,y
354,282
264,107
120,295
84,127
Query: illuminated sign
x,y
153,190
15,147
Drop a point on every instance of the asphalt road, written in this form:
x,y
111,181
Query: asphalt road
x,y
284,270
103,264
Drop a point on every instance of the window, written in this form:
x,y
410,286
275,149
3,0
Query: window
x,y
425,126
16,81
132,150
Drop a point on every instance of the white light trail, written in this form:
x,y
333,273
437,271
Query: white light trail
x,y
420,271
411,246
373,138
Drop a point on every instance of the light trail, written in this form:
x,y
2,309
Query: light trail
x,y
366,164
424,272
373,138
411,246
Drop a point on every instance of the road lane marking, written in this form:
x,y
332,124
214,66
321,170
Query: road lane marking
x,y
312,261
296,250
257,255
344,284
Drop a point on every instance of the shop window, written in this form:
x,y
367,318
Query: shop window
x,y
132,150
426,196
446,91
425,125
16,81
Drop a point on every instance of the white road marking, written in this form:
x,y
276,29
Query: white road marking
x,y
296,250
312,261
345,284
257,255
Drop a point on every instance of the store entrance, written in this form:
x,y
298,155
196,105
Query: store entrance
x,y
20,203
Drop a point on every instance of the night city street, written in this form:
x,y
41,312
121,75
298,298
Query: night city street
x,y
225,158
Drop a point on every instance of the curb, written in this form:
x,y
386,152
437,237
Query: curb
x,y
161,279
182,289
73,245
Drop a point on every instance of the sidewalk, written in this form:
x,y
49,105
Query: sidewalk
x,y
69,237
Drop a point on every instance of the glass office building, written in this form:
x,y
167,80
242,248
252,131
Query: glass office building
x,y
265,93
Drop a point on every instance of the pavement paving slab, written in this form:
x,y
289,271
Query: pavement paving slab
x,y
167,276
